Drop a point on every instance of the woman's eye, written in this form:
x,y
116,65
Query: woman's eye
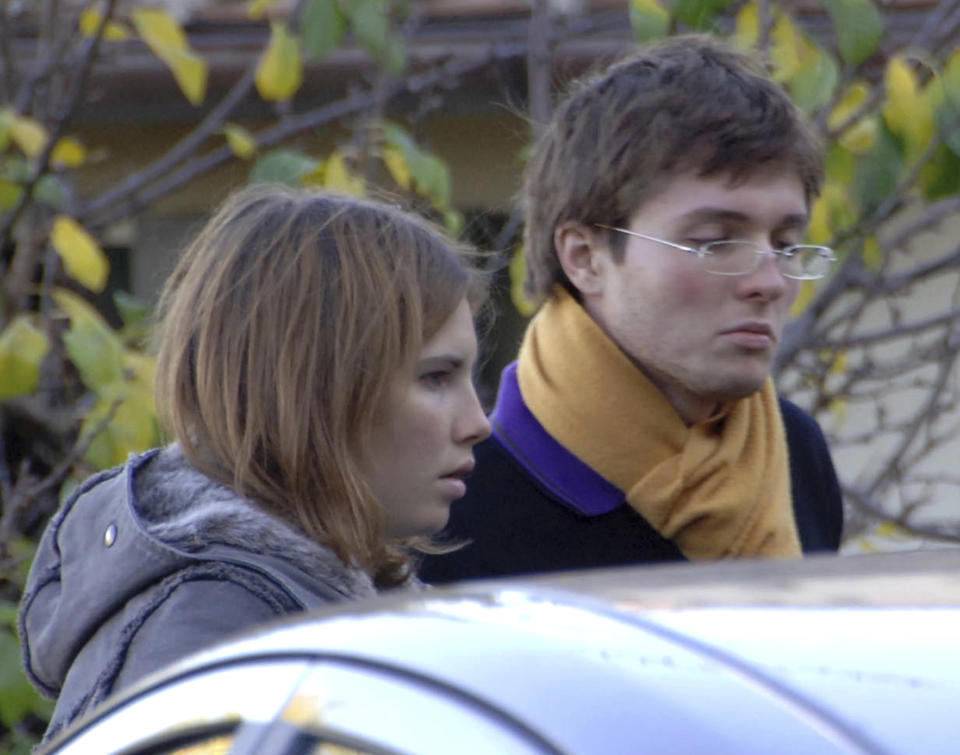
x,y
436,378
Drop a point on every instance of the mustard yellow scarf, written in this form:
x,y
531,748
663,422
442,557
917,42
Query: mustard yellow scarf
x,y
717,489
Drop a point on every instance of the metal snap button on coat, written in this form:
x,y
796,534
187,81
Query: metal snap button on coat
x,y
110,536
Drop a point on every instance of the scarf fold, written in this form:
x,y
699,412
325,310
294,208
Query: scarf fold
x,y
718,489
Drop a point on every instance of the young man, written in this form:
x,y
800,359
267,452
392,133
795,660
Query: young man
x,y
666,205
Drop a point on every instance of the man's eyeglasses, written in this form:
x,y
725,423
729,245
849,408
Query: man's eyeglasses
x,y
737,257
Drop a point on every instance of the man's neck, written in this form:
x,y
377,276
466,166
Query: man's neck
x,y
691,408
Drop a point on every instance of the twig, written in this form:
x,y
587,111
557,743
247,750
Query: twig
x,y
9,83
441,75
24,492
865,502
87,58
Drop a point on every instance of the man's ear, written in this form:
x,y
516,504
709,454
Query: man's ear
x,y
583,255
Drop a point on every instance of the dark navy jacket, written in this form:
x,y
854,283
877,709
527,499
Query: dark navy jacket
x,y
532,506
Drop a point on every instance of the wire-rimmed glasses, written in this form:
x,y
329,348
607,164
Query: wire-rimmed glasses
x,y
740,257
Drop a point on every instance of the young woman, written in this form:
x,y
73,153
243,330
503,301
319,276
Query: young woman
x,y
315,357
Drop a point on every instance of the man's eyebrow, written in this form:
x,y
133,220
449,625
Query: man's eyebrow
x,y
702,214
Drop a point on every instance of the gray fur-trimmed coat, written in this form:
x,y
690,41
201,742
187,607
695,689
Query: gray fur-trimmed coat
x,y
150,561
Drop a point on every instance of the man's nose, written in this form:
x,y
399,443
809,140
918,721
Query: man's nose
x,y
766,280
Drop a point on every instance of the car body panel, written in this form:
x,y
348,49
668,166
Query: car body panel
x,y
786,657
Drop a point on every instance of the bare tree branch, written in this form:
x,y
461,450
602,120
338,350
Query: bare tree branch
x,y
87,56
538,66
446,73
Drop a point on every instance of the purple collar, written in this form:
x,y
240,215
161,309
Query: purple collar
x,y
550,463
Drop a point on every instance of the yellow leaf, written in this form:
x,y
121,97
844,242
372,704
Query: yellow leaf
x,y
22,347
68,153
839,365
786,49
872,253
140,368
518,274
131,430
257,8
396,163
901,94
240,140
83,259
830,211
906,111
804,297
888,529
6,122
819,230
90,22
838,408
166,38
855,95
29,135
861,137
10,194
747,31
78,309
280,72
190,71
339,178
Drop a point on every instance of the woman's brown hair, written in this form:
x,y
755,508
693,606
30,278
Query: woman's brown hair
x,y
279,333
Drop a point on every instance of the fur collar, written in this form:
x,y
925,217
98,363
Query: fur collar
x,y
187,510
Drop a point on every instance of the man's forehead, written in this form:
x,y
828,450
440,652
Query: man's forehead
x,y
770,195
727,215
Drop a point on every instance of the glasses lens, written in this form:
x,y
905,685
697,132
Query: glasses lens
x,y
729,257
808,262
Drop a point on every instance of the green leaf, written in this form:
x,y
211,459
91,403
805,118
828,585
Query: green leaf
x,y
813,84
433,180
22,348
649,19
841,164
947,102
132,309
878,171
17,695
50,191
94,348
370,23
10,193
321,27
518,275
940,177
699,14
132,429
430,174
284,166
859,28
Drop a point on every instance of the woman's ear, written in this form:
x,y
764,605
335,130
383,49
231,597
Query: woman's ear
x,y
583,254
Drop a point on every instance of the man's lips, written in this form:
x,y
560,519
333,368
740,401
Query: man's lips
x,y
751,334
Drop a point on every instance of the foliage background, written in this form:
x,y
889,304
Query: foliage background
x,y
75,376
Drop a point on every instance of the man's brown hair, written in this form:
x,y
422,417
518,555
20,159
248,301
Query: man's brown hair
x,y
687,103
281,329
